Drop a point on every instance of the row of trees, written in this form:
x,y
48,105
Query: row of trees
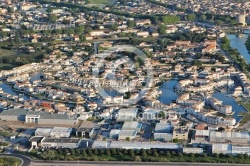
x,y
216,18
146,155
167,19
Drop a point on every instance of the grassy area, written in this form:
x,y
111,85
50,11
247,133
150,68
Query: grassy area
x,y
5,52
9,161
7,134
4,143
245,119
245,104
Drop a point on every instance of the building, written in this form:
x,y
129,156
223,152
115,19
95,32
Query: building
x,y
137,145
192,150
132,126
180,133
60,132
163,128
114,134
127,114
241,19
43,132
38,117
168,137
124,134
222,148
36,141
60,142
201,135
84,132
240,138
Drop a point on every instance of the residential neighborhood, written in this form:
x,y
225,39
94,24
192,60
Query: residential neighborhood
x,y
79,77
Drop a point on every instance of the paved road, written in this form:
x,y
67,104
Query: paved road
x,y
106,163
25,160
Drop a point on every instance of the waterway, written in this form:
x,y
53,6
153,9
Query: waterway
x,y
168,94
8,88
239,44
226,100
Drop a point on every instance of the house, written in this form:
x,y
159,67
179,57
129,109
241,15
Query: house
x,y
142,34
97,33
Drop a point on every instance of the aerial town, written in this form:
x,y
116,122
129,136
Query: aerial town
x,y
82,77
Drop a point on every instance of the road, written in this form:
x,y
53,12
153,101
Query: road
x,y
26,161
108,163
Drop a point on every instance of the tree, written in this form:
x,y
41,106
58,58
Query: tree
x,y
49,10
127,139
107,152
218,22
130,23
52,18
203,17
162,29
49,154
191,17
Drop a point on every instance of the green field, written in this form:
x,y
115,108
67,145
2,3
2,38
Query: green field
x,y
9,161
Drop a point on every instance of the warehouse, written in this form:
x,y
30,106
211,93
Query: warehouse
x,y
192,150
45,132
163,128
60,132
222,148
124,134
36,117
132,126
114,134
127,114
61,142
168,137
242,138
137,145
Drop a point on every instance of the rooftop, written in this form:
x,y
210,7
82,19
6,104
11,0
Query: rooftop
x,y
62,140
132,125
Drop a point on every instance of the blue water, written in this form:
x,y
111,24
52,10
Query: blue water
x,y
226,100
239,44
168,93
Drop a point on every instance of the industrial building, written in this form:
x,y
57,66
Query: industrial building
x,y
60,132
128,114
54,142
124,134
137,145
132,126
163,128
43,132
241,138
230,149
38,117
84,132
168,137
192,150
114,134
180,133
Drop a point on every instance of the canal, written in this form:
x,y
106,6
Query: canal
x,y
168,94
226,100
239,44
